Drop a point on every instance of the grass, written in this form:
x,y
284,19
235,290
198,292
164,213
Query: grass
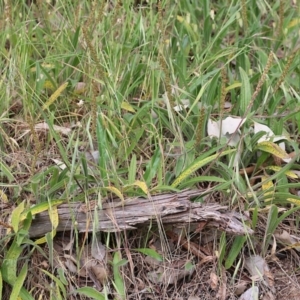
x,y
135,84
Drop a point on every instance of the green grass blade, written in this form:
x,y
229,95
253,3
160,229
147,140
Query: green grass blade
x,y
272,224
1,283
4,171
152,166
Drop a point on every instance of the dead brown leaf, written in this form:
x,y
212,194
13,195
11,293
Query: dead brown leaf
x,y
223,286
214,281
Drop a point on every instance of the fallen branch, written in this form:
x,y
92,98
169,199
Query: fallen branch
x,y
115,216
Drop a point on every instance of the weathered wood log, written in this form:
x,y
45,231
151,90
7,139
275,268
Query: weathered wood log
x,y
114,216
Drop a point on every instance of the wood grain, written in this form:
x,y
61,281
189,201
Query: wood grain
x,y
171,208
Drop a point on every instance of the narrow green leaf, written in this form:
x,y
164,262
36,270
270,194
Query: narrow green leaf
x,y
233,86
222,248
188,28
60,286
180,164
254,217
102,147
272,224
212,91
90,292
245,96
121,263
118,280
236,247
24,294
198,179
76,37
132,170
207,29
1,283
54,176
150,252
4,169
152,166
62,276
49,239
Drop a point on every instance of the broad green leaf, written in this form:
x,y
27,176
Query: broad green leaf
x,y
150,252
272,148
245,96
115,191
294,201
53,215
40,241
236,247
277,174
200,162
288,173
15,216
9,265
126,106
90,292
18,284
141,184
54,218
38,208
